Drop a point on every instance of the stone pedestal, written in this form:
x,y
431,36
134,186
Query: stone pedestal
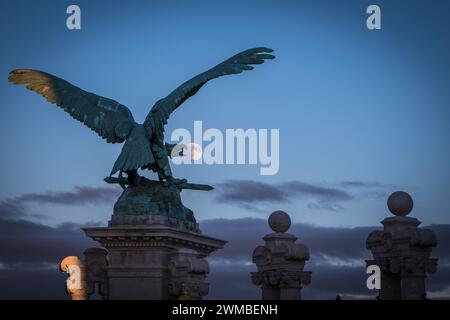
x,y
152,249
402,251
155,261
280,262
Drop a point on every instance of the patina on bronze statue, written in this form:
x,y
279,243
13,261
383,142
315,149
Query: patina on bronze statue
x,y
144,146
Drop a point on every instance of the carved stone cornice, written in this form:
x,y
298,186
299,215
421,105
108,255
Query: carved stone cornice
x,y
153,236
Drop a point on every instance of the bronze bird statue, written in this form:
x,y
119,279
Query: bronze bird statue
x,y
144,146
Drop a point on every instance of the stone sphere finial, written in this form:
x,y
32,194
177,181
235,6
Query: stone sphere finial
x,y
400,203
279,221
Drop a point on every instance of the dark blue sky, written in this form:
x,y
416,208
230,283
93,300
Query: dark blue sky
x,y
351,104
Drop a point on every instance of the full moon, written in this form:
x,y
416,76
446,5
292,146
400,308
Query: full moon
x,y
194,151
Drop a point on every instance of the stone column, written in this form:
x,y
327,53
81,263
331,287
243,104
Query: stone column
x,y
76,284
402,251
280,262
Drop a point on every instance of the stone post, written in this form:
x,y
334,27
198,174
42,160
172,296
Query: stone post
x,y
76,284
84,276
402,251
280,262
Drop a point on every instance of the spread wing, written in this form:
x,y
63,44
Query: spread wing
x,y
159,114
110,119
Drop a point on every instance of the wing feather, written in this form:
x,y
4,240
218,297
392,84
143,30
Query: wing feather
x,y
160,113
100,114
136,152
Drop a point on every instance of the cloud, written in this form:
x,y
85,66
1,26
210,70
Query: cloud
x,y
246,193
337,259
81,195
360,184
369,189
344,244
28,248
32,284
30,253
16,208
247,233
442,250
325,205
26,244
297,188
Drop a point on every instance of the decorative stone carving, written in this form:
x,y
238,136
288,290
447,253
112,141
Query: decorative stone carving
x,y
402,251
96,260
280,262
188,273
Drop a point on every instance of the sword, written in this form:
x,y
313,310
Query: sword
x,y
182,185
